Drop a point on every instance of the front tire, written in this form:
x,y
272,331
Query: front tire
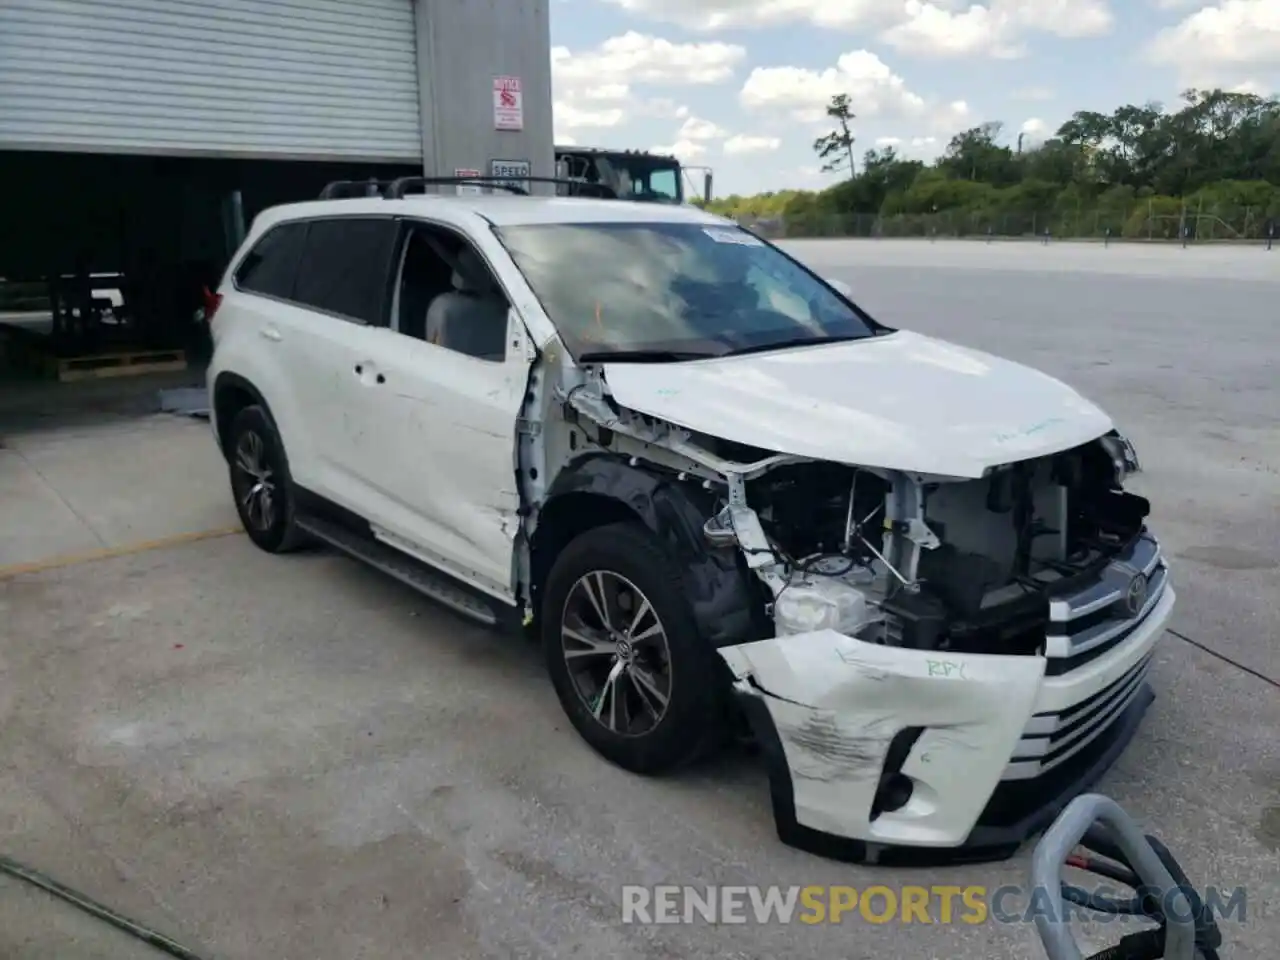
x,y
260,482
634,676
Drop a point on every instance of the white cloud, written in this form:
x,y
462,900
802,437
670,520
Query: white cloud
x,y
564,140
681,149
994,30
1253,87
637,58
594,89
722,14
607,91
568,116
695,128
1033,126
913,148
1229,33
872,87
742,143
940,28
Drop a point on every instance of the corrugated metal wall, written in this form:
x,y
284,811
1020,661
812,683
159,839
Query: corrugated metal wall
x,y
302,79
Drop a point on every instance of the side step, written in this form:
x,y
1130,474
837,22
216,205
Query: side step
x,y
406,569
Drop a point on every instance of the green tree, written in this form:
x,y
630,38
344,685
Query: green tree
x,y
1210,165
835,149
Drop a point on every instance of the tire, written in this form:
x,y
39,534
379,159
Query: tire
x,y
256,454
619,560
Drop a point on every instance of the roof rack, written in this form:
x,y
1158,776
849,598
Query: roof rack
x,y
396,189
354,188
403,185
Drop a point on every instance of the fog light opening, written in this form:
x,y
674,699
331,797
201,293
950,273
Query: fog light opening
x,y
893,794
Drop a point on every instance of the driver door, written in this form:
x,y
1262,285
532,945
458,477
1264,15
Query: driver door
x,y
438,440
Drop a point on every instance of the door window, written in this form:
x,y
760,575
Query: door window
x,y
269,268
447,295
346,267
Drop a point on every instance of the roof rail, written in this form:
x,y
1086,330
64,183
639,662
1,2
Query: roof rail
x,y
400,187
396,189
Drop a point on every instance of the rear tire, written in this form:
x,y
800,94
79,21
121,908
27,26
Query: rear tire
x,y
260,482
633,674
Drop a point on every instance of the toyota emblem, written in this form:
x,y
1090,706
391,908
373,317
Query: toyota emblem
x,y
1135,597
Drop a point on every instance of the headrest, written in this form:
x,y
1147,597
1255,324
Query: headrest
x,y
470,274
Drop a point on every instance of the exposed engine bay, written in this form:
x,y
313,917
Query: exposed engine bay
x,y
971,570
907,560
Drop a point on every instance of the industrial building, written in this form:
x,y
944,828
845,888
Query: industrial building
x,y
139,137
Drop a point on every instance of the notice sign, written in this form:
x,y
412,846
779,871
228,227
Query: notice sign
x,y
514,172
468,189
508,104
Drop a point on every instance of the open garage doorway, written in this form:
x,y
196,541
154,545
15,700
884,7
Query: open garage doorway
x,y
104,258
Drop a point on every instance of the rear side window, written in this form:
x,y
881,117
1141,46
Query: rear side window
x,y
346,267
269,268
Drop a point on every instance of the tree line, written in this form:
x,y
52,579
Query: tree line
x,y
1209,169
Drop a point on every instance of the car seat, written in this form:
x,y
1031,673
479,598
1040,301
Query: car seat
x,y
472,317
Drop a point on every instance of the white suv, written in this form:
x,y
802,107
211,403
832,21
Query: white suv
x,y
716,489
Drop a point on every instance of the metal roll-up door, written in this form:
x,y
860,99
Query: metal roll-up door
x,y
296,79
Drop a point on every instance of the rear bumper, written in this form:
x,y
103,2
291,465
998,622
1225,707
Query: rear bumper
x,y
993,747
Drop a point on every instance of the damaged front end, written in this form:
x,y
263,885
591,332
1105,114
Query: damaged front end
x,y
952,660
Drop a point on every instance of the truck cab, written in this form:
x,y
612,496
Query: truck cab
x,y
631,174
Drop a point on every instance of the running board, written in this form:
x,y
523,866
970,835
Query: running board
x,y
408,570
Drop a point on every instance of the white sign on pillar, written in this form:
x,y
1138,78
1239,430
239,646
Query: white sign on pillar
x,y
468,189
508,104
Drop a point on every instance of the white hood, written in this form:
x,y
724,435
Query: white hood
x,y
902,401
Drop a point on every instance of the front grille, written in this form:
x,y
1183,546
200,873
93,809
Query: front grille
x,y
1051,739
1085,625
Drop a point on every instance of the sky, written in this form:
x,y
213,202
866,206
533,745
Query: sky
x,y
741,85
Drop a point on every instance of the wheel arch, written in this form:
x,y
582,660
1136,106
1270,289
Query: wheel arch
x,y
231,394
726,598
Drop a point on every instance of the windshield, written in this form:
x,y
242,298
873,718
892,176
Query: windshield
x,y
668,291
647,182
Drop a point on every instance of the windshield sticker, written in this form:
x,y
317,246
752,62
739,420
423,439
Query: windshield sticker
x,y
740,237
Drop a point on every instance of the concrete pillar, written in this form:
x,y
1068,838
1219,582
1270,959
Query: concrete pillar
x,y
462,46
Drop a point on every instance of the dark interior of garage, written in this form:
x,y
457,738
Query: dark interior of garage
x,y
108,255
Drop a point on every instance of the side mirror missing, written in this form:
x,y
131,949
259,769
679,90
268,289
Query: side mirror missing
x,y
840,287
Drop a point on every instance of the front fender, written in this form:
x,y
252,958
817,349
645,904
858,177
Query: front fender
x,y
726,598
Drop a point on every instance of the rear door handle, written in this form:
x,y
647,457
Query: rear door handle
x,y
270,333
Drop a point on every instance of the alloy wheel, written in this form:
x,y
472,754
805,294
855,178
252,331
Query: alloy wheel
x,y
256,486
615,647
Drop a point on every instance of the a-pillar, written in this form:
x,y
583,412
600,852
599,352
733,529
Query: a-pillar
x,y
463,46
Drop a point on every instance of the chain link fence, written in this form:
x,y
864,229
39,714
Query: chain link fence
x,y
1158,219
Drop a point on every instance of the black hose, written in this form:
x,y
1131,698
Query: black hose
x,y
91,907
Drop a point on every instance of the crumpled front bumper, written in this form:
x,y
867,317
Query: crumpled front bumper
x,y
841,721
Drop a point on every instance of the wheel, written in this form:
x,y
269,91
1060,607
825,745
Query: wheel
x,y
637,681
260,482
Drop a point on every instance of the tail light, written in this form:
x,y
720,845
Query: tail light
x,y
212,301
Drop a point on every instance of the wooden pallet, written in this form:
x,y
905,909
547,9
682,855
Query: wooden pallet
x,y
120,364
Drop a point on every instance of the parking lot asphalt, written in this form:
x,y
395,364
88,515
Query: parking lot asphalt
x,y
296,757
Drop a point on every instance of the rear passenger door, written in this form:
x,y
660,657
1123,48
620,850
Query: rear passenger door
x,y
342,293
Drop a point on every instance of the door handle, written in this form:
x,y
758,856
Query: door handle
x,y
270,333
